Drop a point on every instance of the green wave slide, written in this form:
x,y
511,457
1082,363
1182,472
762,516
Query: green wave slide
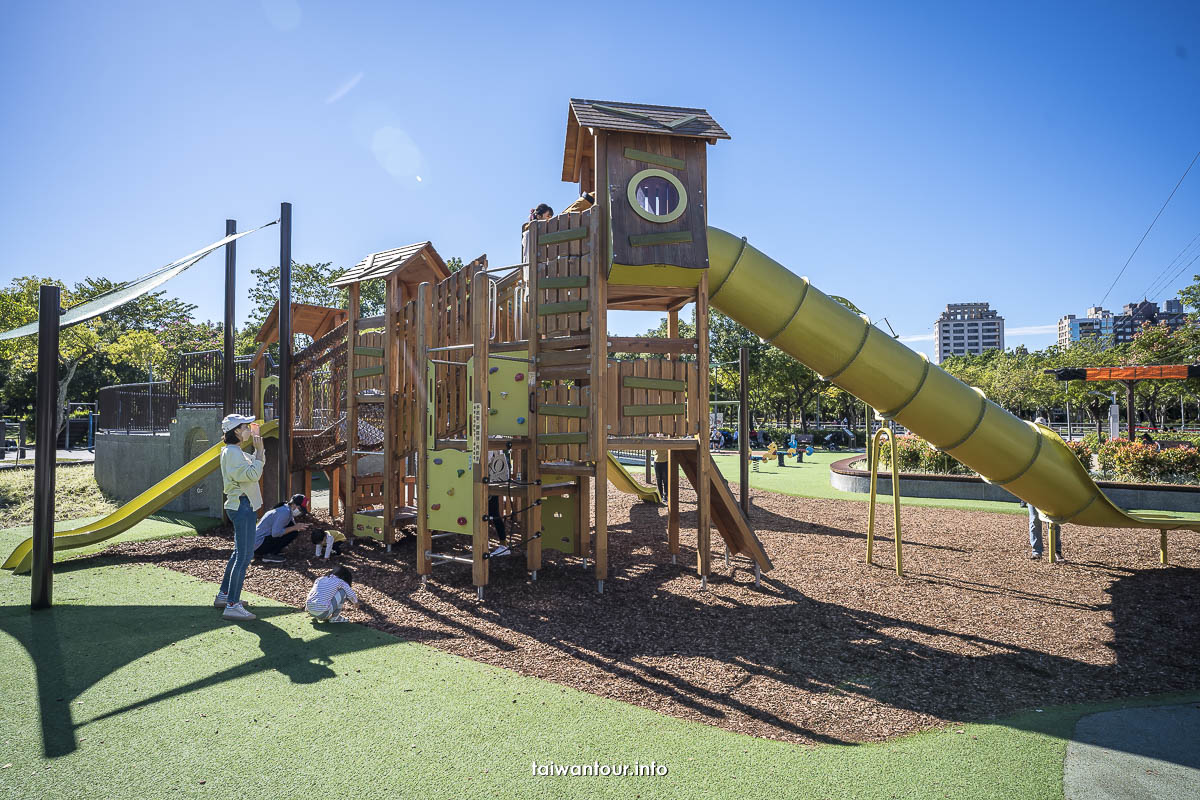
x,y
136,510
1029,460
619,477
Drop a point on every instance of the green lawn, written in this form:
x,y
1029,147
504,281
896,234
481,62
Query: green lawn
x,y
811,479
133,687
164,525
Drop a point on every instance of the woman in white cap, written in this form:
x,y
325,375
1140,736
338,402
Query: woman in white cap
x,y
240,472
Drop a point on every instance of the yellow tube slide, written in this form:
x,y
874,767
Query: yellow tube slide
x,y
1029,460
136,510
619,477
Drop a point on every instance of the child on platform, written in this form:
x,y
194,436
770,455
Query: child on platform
x,y
328,594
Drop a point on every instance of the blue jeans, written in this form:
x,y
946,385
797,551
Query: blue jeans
x,y
1035,534
243,551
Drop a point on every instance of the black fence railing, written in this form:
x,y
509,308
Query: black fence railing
x,y
137,407
197,383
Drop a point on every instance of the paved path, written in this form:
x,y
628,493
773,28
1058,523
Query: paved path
x,y
1135,753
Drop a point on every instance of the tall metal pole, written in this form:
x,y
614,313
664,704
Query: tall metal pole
x,y
744,427
285,350
228,376
41,591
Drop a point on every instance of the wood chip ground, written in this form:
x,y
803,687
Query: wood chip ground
x,y
830,649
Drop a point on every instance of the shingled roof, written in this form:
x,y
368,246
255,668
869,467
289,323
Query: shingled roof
x,y
635,118
419,261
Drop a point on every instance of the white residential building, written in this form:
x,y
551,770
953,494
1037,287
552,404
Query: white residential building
x,y
967,328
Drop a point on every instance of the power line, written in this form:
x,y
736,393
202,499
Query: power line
x,y
1178,272
1155,285
1147,233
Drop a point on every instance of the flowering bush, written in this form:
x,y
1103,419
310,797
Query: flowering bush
x,y
1082,451
1136,462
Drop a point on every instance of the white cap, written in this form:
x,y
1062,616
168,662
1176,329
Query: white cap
x,y
233,420
1041,421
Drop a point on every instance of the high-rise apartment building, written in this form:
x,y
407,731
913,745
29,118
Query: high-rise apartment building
x,y
966,328
1119,328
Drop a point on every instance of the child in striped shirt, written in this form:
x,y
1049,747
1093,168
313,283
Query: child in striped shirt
x,y
329,593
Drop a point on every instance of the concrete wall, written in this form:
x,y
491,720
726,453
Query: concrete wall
x,y
962,487
128,464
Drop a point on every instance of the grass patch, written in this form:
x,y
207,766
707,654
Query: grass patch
x,y
811,479
75,488
125,692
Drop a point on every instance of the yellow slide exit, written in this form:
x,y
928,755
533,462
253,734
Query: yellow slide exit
x,y
1029,460
136,510
619,477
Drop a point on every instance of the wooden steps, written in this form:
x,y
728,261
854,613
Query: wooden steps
x,y
726,513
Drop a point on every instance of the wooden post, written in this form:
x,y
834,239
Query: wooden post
x,y
744,425
598,282
422,400
41,593
349,506
703,511
390,408
1162,547
335,475
533,463
478,440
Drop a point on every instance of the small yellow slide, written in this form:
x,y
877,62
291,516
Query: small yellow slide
x,y
619,477
1029,460
136,510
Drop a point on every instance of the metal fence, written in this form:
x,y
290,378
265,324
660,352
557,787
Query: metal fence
x,y
197,383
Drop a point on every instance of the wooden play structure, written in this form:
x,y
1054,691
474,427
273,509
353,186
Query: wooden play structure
x,y
403,408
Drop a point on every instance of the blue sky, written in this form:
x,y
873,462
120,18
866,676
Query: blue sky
x,y
905,155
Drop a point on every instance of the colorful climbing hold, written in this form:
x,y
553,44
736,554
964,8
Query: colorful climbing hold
x,y
462,472
436,507
462,520
493,369
520,420
520,376
437,461
450,491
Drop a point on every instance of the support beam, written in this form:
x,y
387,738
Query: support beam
x,y
41,593
478,439
229,378
703,490
422,400
285,351
743,427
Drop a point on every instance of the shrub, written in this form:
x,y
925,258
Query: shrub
x,y
1082,451
914,454
1136,462
1093,440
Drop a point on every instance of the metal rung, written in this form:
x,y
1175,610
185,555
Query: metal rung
x,y
441,558
450,347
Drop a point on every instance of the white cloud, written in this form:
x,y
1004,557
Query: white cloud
x,y
1031,330
344,89
920,337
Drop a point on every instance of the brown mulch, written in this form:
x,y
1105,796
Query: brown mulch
x,y
830,649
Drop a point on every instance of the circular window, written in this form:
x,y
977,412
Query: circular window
x,y
657,195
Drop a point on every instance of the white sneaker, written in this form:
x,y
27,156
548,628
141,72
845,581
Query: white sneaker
x,y
272,559
238,612
338,618
221,600
501,550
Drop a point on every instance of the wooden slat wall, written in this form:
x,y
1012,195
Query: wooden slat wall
x,y
410,374
562,395
452,326
571,258
676,426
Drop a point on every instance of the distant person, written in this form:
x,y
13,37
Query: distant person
x,y
331,539
715,439
1146,438
536,214
585,201
240,472
1035,525
328,594
660,471
499,471
278,528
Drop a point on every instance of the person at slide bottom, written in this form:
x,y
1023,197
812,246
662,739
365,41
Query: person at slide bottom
x,y
328,594
278,528
499,471
240,472
1035,526
660,472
